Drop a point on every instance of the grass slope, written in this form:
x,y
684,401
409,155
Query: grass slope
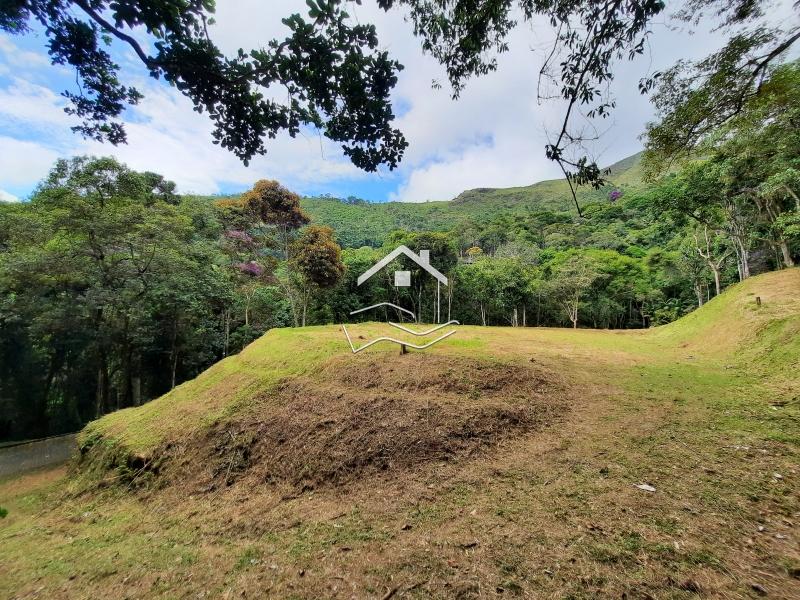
x,y
502,462
367,224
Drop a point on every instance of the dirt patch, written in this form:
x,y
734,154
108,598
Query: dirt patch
x,y
27,483
366,414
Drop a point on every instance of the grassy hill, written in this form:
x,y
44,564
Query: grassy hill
x,y
553,194
367,224
501,462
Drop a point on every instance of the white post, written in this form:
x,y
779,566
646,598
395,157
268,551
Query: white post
x,y
438,301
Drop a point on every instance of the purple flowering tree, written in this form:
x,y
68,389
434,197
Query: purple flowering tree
x,y
251,268
241,237
247,264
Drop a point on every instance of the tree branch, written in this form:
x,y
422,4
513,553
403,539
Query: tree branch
x,y
84,5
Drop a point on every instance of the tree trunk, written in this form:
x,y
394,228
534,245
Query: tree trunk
x,y
572,310
538,309
717,285
174,369
40,417
136,389
787,255
101,392
768,207
174,351
287,288
745,262
739,228
698,289
715,266
450,300
226,316
433,308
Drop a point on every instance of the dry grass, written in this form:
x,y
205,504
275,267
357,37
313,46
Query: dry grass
x,y
360,415
444,476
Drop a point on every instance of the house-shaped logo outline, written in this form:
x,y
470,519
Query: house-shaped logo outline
x,y
423,261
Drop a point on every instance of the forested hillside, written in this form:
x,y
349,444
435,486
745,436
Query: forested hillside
x,y
360,223
114,289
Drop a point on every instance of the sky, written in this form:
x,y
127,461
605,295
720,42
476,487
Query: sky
x,y
492,136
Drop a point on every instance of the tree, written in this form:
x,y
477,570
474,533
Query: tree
x,y
99,254
474,252
696,100
760,148
749,169
477,285
570,282
332,73
493,290
773,196
670,271
706,192
247,244
789,226
274,205
696,268
316,261
708,248
337,80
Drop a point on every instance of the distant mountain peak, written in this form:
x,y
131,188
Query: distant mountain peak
x,y
626,168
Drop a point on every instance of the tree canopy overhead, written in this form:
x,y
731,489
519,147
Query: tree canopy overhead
x,y
330,72
695,100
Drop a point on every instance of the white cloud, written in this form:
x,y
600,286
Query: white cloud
x,y
14,55
493,136
7,196
24,163
170,138
33,105
164,135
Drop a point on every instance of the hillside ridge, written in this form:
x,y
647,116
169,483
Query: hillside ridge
x,y
613,171
726,327
367,224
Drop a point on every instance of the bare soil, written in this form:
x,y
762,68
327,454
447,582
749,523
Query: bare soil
x,y
312,431
570,464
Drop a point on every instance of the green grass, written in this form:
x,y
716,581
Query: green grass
x,y
704,409
730,329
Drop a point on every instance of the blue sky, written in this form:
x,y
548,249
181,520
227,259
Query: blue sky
x,y
493,136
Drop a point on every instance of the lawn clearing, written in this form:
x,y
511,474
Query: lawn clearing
x,y
704,412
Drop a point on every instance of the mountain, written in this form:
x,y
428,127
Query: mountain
x,y
553,194
366,224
